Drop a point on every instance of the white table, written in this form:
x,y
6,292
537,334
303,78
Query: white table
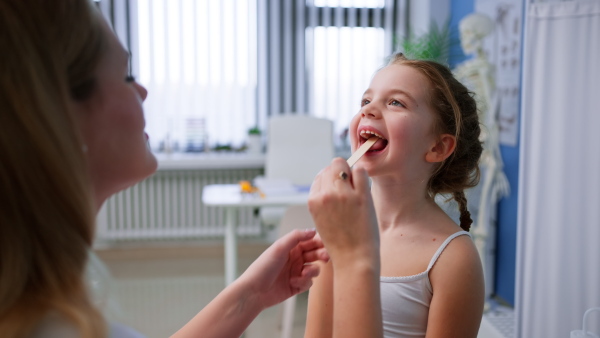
x,y
232,200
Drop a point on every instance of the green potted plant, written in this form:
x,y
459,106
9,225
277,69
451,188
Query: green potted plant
x,y
254,140
254,131
435,44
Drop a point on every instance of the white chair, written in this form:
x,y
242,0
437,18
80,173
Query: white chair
x,y
298,147
295,217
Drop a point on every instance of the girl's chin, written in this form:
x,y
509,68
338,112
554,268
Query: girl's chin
x,y
153,162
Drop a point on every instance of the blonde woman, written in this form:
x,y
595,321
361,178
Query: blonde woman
x,y
71,135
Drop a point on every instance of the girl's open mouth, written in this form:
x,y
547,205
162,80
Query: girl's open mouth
x,y
378,146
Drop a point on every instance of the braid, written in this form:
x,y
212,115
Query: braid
x,y
465,215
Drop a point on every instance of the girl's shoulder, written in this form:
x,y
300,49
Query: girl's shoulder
x,y
458,290
457,258
458,245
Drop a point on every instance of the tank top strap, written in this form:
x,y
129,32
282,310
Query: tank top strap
x,y
443,246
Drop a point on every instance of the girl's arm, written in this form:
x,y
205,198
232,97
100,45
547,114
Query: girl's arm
x,y
458,291
319,318
356,298
279,273
357,309
342,208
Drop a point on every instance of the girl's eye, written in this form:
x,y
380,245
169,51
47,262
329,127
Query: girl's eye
x,y
364,102
397,103
130,78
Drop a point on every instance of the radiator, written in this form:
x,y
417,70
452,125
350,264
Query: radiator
x,y
168,205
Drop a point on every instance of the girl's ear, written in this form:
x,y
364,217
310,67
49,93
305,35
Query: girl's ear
x,y
442,148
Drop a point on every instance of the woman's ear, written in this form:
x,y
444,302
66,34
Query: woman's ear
x,y
441,149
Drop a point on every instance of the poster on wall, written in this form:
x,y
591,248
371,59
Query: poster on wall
x,y
503,48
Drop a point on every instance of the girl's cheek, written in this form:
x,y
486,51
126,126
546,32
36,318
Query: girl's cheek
x,y
352,130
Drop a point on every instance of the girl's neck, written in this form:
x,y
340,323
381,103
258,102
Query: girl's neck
x,y
400,204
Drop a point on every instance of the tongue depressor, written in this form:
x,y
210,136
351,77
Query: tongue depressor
x,y
362,150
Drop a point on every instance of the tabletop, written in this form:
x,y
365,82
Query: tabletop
x,y
229,195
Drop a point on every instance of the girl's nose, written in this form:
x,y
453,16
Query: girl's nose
x,y
370,111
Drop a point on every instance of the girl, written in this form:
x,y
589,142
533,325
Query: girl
x,y
430,275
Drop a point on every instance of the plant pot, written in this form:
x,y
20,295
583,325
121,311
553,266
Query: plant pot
x,y
254,144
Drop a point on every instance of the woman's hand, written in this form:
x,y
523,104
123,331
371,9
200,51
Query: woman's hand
x,y
279,273
283,270
342,208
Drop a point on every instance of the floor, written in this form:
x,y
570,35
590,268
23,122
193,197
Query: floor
x,y
157,287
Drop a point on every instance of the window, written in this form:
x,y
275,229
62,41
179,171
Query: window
x,y
198,60
214,69
340,44
343,60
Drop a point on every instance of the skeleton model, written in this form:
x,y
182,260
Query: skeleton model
x,y
478,75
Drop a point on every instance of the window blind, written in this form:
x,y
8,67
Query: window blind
x,y
323,53
214,69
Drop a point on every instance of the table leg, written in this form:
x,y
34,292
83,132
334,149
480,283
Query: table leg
x,y
230,245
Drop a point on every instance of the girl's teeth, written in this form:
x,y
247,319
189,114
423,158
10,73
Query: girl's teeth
x,y
367,134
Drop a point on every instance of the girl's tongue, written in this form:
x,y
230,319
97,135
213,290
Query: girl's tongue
x,y
379,145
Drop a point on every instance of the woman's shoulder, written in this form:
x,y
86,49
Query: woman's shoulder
x,y
55,326
118,330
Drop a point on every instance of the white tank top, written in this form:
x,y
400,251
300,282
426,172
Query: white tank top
x,y
405,300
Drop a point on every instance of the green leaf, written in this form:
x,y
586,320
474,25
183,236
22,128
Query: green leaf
x,y
433,45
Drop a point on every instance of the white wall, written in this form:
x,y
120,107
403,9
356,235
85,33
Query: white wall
x,y
422,12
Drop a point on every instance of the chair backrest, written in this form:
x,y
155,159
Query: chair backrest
x,y
298,147
295,217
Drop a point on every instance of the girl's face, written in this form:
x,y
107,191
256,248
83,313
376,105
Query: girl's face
x,y
112,123
395,108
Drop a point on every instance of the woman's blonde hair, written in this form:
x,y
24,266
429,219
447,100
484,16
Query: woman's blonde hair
x,y
49,53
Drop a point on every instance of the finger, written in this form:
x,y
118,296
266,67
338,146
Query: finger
x,y
341,173
292,239
304,282
300,285
312,244
310,271
318,238
313,250
315,187
316,255
360,180
324,177
305,278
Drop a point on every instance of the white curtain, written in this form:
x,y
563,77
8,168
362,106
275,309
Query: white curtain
x,y
558,254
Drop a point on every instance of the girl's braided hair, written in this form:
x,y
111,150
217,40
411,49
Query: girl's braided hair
x,y
456,115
